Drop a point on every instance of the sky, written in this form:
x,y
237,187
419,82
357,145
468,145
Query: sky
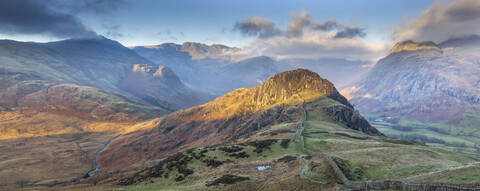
x,y
364,29
212,21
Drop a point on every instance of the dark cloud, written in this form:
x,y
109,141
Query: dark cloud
x,y
36,17
327,25
257,26
350,32
89,6
300,22
442,21
464,10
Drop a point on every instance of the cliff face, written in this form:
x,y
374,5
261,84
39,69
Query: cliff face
x,y
236,115
160,86
284,86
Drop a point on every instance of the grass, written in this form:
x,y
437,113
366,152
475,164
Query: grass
x,y
467,176
241,166
380,158
463,137
43,160
373,158
370,159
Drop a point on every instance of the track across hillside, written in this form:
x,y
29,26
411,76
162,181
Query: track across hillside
x,y
364,185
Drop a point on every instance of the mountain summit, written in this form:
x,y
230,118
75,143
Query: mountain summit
x,y
296,84
237,116
413,46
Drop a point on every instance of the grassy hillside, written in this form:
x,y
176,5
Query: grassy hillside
x,y
462,138
234,166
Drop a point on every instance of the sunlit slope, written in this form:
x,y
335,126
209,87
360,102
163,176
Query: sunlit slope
x,y
285,165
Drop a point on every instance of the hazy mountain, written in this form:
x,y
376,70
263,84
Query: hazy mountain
x,y
98,63
75,71
214,69
426,82
341,72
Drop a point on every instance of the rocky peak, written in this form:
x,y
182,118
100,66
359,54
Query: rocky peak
x,y
413,46
158,72
201,51
296,85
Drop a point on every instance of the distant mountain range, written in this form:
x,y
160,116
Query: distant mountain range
x,y
39,75
215,68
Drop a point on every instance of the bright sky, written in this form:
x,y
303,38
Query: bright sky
x,y
309,29
141,22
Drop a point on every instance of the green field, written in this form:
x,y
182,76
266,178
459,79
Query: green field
x,y
462,138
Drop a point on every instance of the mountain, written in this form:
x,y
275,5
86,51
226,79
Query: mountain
x,y
210,67
160,86
426,85
39,77
96,63
217,70
237,115
341,72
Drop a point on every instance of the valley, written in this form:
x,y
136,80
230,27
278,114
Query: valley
x,y
319,147
148,95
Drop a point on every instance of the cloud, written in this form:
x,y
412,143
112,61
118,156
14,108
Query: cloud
x,y
257,26
307,38
36,17
300,22
350,32
313,45
442,21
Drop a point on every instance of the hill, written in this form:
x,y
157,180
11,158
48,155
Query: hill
x,y
235,116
